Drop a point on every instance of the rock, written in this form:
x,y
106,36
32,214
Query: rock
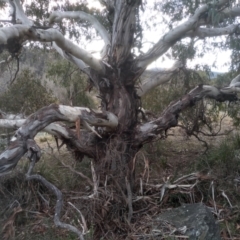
x,y
193,220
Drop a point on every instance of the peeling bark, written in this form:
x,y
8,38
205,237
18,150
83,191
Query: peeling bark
x,y
123,31
45,116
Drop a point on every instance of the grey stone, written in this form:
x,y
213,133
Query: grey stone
x,y
193,220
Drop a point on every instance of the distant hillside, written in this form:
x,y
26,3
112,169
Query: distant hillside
x,y
37,61
214,75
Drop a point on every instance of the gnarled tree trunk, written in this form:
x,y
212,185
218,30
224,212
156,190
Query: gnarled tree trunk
x,y
113,135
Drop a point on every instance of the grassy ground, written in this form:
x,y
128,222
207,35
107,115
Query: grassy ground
x,y
27,208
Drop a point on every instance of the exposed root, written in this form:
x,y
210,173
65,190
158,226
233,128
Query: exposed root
x,y
59,204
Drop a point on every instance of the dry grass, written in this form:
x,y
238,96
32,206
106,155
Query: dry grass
x,y
27,208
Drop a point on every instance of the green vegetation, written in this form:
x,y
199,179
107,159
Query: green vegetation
x,y
26,95
223,159
64,74
30,204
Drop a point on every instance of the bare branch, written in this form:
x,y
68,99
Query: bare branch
x,y
169,117
59,16
84,224
85,144
213,32
42,118
129,200
5,123
151,79
224,13
78,62
170,38
18,12
21,33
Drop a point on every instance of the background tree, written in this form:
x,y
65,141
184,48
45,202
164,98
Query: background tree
x,y
69,77
26,96
113,135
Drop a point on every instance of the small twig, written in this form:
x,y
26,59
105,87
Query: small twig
x,y
163,189
191,176
225,196
141,187
220,124
201,140
42,197
95,181
119,188
216,134
105,183
30,169
129,192
144,198
15,75
84,225
49,146
180,236
77,172
213,197
146,167
229,232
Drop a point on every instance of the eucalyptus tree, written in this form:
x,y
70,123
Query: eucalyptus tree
x,y
113,134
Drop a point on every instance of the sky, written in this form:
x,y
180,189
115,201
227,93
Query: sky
x,y
221,59
218,60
